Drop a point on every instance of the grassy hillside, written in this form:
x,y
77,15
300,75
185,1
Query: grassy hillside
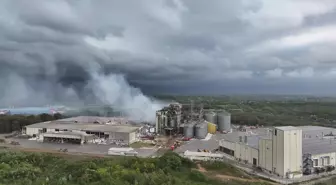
x,y
331,181
36,169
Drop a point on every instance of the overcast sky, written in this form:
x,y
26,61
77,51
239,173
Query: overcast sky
x,y
172,46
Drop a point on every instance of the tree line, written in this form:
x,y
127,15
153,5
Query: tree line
x,y
10,123
44,169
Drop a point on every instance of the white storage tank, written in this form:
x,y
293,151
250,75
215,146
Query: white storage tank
x,y
201,130
211,117
188,130
224,121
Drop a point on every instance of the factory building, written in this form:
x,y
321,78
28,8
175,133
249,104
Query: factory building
x,y
82,129
190,120
289,152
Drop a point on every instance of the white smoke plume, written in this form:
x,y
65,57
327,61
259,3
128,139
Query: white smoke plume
x,y
114,90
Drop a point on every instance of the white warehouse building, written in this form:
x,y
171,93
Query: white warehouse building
x,y
288,151
80,130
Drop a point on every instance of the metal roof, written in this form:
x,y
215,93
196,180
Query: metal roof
x,y
314,143
85,127
312,140
287,128
253,136
92,119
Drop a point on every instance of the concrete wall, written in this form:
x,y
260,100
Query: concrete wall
x,y
121,136
319,157
32,131
132,137
127,137
241,151
287,151
245,152
265,154
293,151
51,130
227,144
278,151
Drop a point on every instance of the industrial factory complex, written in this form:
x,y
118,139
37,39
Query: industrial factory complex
x,y
286,151
199,134
191,121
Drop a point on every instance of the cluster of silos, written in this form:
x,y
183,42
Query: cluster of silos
x,y
194,129
221,119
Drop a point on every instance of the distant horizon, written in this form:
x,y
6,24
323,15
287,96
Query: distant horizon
x,y
266,95
244,94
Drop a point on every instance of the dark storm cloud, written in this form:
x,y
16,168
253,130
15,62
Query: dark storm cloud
x,y
63,51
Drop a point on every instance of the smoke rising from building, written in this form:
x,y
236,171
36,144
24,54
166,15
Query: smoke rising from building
x,y
114,90
75,85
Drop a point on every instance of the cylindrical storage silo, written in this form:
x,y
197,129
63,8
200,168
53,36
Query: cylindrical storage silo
x,y
212,128
210,117
201,130
188,130
224,121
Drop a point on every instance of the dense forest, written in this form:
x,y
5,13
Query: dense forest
x,y
45,169
10,123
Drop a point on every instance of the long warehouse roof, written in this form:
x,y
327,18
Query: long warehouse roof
x,y
86,127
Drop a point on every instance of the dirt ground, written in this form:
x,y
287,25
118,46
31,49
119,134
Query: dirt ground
x,y
226,178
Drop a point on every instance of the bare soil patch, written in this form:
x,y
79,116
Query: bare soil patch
x,y
226,178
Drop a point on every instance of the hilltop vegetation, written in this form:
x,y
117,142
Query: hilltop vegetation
x,y
269,110
45,169
245,110
329,182
10,123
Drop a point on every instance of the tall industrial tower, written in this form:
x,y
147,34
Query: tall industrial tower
x,y
287,150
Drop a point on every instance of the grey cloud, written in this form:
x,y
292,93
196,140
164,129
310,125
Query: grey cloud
x,y
60,50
